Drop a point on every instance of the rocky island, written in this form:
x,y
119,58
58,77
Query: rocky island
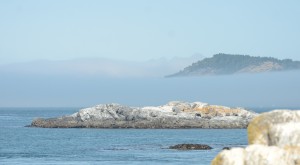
x,y
174,114
224,64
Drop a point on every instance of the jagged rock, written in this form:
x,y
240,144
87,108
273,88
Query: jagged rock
x,y
191,147
172,115
274,139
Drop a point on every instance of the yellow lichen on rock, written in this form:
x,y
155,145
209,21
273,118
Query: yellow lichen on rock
x,y
258,130
233,157
259,127
217,110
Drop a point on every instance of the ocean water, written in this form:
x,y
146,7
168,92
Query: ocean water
x,y
24,145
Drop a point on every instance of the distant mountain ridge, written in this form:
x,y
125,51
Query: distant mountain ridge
x,y
221,64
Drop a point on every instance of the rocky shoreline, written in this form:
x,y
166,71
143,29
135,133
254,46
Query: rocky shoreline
x,y
174,114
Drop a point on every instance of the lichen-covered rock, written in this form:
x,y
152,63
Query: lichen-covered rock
x,y
284,135
172,115
234,156
260,127
274,138
254,155
267,155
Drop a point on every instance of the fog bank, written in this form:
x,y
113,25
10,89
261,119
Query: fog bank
x,y
280,89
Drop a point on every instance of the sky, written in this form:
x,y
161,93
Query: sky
x,y
139,30
62,53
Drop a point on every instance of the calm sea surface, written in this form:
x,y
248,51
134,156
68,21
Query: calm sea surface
x,y
23,145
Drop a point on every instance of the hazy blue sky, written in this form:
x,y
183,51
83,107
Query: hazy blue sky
x,y
147,29
86,37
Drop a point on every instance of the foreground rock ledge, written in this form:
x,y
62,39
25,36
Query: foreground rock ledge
x,y
172,115
274,139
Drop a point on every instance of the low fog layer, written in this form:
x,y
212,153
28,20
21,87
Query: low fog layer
x,y
101,67
280,89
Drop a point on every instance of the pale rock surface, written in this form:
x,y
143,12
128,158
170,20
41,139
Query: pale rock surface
x,y
285,135
234,156
254,155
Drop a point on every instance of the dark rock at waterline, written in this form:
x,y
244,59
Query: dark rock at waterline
x,y
226,148
191,147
